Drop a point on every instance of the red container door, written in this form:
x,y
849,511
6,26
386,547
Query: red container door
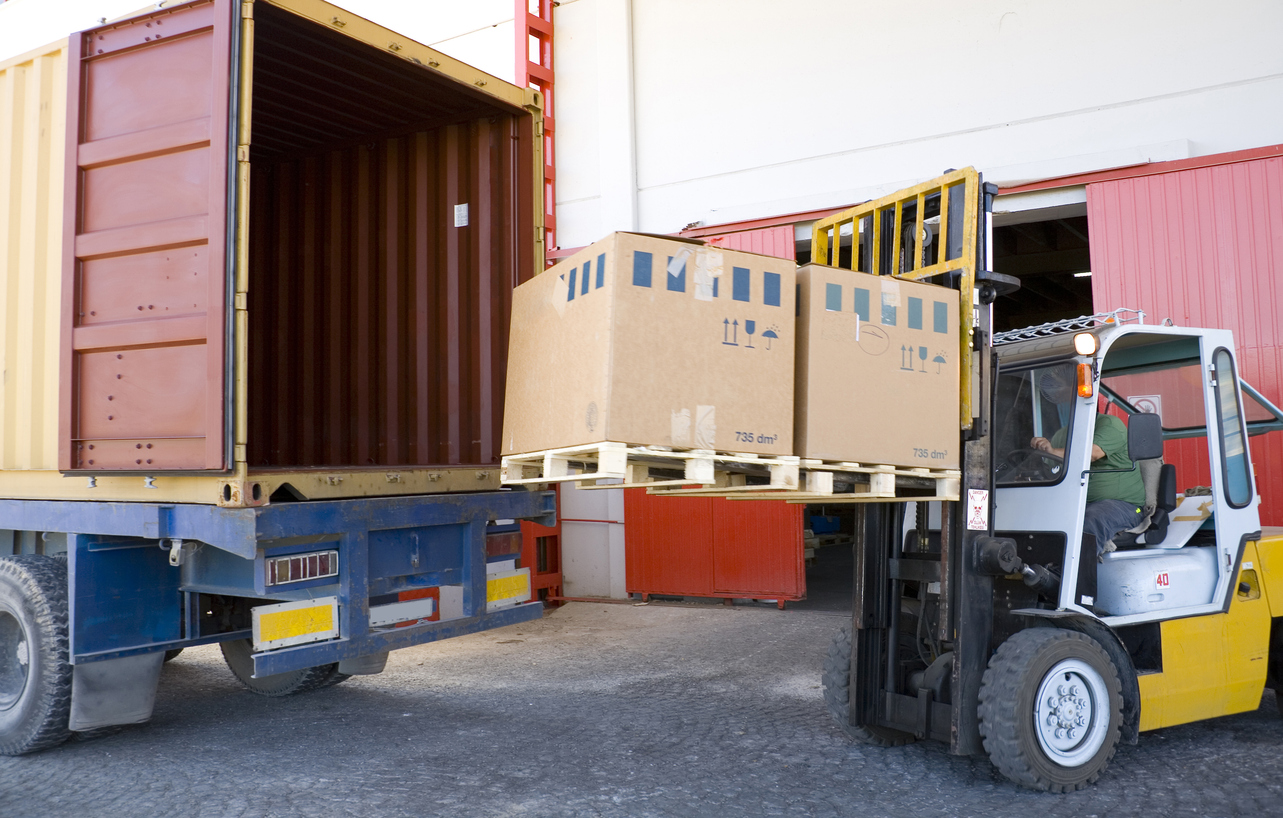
x,y
145,261
757,549
699,546
668,544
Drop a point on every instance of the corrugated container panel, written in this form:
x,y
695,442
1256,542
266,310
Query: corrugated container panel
x,y
33,92
769,241
668,544
758,552
379,329
1203,247
700,546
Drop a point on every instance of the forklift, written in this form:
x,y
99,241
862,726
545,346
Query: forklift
x,y
995,623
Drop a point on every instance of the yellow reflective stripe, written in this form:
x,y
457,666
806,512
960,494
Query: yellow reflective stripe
x,y
297,622
508,587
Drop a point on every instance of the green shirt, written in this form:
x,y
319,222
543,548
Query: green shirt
x,y
1111,437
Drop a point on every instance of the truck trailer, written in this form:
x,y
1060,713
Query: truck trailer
x,y
258,258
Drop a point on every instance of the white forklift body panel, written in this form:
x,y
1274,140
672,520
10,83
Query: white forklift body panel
x,y
1171,579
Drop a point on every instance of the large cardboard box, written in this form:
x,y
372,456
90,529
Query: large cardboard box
x,y
653,341
877,370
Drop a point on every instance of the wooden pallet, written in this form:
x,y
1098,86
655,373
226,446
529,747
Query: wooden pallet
x,y
645,467
728,474
840,482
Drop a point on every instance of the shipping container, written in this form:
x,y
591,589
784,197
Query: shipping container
x,y
258,260
258,250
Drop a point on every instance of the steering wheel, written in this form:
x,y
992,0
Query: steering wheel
x,y
1033,464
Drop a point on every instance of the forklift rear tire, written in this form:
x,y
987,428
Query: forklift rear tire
x,y
239,657
1051,709
837,696
35,670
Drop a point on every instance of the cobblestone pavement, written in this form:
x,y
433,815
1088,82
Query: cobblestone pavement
x,y
596,710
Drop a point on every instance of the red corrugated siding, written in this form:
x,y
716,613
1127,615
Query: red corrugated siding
x,y
770,241
1203,247
699,546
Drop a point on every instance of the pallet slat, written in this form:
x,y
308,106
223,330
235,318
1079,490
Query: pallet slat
x,y
726,474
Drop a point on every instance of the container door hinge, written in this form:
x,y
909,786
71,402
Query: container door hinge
x,y
247,9
242,153
242,301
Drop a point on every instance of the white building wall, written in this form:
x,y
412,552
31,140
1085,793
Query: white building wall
x,y
728,111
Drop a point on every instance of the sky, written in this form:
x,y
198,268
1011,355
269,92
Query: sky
x,y
479,32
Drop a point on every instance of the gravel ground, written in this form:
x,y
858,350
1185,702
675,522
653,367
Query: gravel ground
x,y
596,710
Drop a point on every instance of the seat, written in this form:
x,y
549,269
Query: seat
x,y
1160,501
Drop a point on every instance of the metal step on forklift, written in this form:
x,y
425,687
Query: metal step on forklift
x,y
997,624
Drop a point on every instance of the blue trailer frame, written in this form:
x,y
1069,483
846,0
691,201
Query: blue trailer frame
x,y
127,598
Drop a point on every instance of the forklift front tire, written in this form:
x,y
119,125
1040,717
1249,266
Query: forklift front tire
x,y
837,696
1051,709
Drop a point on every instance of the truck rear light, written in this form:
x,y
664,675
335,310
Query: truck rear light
x,y
300,567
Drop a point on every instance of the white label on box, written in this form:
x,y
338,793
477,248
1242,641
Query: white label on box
x,y
977,510
461,215
708,268
681,427
560,291
705,427
890,293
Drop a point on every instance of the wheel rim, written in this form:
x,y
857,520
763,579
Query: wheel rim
x,y
15,660
1071,713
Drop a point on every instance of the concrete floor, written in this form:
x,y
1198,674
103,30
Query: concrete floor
x,y
595,710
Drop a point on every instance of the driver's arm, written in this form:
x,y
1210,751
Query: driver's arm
x,y
1042,444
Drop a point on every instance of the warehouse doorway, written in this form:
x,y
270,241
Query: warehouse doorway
x,y
1049,252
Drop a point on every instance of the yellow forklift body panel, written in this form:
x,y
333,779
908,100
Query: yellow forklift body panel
x,y
1215,665
1270,568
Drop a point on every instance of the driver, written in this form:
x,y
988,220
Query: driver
x,y
1115,500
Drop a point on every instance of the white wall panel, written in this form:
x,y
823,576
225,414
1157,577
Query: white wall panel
x,y
757,108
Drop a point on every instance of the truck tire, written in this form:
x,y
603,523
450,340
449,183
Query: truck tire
x,y
1051,709
837,696
35,670
238,653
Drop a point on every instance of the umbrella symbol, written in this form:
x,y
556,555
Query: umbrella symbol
x,y
768,335
939,361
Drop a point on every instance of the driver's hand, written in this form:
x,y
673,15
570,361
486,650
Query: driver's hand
x,y
1042,444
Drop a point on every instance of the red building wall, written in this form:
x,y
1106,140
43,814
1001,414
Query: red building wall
x,y
1203,247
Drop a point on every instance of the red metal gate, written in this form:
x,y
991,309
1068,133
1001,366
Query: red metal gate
x,y
541,553
701,546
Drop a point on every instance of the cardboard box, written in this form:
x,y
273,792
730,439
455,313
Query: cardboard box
x,y
877,370
653,341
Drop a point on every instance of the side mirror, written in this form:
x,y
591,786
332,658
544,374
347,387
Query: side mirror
x,y
1144,437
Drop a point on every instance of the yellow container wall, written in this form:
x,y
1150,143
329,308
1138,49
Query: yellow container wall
x,y
33,113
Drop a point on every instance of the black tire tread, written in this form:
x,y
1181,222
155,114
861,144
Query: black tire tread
x,y
1001,687
290,684
837,696
43,581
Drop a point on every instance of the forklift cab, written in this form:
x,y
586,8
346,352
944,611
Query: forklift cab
x,y
1201,503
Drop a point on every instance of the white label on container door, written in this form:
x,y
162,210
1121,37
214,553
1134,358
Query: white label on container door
x,y
977,510
461,215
